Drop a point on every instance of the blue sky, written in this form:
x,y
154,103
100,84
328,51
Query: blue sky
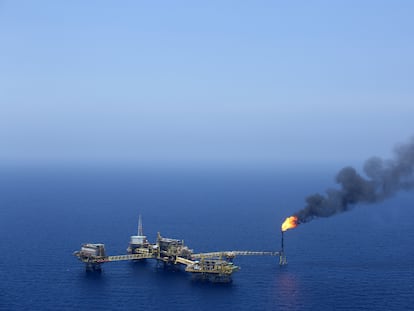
x,y
286,82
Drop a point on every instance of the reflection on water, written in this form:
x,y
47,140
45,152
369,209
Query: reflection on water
x,y
286,290
91,284
91,277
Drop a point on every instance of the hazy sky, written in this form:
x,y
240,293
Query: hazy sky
x,y
213,81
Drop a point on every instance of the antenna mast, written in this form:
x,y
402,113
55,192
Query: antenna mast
x,y
140,231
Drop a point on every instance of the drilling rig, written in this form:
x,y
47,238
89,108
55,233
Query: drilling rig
x,y
216,267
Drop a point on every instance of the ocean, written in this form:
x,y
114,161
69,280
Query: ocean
x,y
359,260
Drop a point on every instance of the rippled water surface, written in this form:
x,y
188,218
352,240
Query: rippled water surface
x,y
360,260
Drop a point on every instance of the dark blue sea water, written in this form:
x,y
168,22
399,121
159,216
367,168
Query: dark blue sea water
x,y
360,260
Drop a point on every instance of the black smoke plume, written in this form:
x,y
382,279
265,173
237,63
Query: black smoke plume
x,y
384,179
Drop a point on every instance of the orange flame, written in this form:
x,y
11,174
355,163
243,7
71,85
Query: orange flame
x,y
290,223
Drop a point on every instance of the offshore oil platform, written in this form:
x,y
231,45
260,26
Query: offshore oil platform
x,y
216,267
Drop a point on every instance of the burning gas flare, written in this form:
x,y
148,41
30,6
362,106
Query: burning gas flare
x,y
290,223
